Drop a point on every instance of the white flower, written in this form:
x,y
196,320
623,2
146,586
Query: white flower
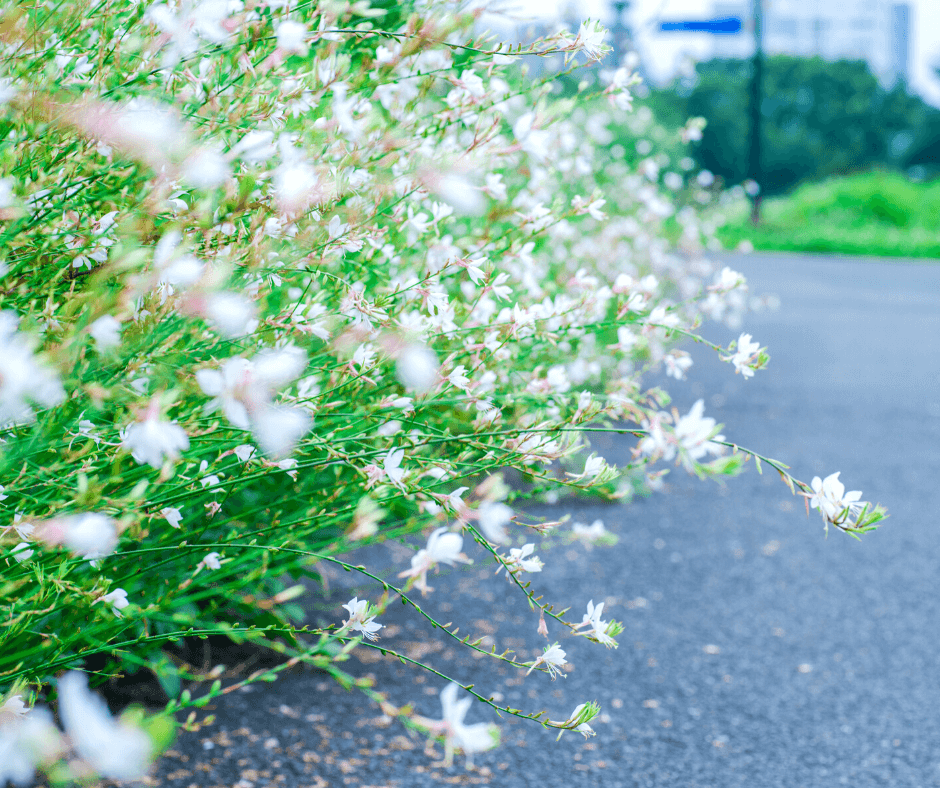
x,y
296,185
89,535
289,466
593,208
114,749
117,599
13,706
244,452
174,270
22,552
535,142
209,480
598,628
744,355
553,659
244,389
594,466
211,561
28,738
417,368
443,548
727,279
492,519
154,440
831,499
589,533
24,381
106,331
23,529
696,434
343,108
392,465
255,146
590,40
459,193
458,378
678,363
86,428
360,620
204,19
231,388
229,313
495,187
519,559
205,168
145,130
172,515
469,739
279,428
291,37
583,728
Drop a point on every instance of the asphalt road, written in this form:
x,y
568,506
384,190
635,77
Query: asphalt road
x,y
756,652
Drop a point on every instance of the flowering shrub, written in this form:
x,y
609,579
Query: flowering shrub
x,y
281,279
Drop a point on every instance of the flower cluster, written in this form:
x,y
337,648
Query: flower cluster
x,y
281,280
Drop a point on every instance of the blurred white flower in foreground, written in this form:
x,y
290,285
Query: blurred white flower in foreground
x,y
24,381
291,37
106,331
183,28
443,548
417,368
90,535
153,440
469,739
360,620
255,146
244,389
114,749
229,313
13,706
28,738
279,428
493,518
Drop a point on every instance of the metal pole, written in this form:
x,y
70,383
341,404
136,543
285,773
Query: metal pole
x,y
757,73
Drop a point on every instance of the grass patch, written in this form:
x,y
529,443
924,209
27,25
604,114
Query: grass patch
x,y
874,213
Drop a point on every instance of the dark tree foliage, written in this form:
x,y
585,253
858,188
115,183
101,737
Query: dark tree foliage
x,y
820,118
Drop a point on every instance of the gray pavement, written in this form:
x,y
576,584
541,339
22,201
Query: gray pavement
x,y
756,652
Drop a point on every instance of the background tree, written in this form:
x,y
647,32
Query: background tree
x,y
820,118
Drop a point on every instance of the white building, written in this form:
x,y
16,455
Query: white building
x,y
877,31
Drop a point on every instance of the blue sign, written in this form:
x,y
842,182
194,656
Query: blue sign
x,y
727,26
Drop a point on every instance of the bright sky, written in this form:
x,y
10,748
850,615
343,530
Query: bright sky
x,y
662,52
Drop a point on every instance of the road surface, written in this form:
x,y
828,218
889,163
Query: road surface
x,y
756,652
